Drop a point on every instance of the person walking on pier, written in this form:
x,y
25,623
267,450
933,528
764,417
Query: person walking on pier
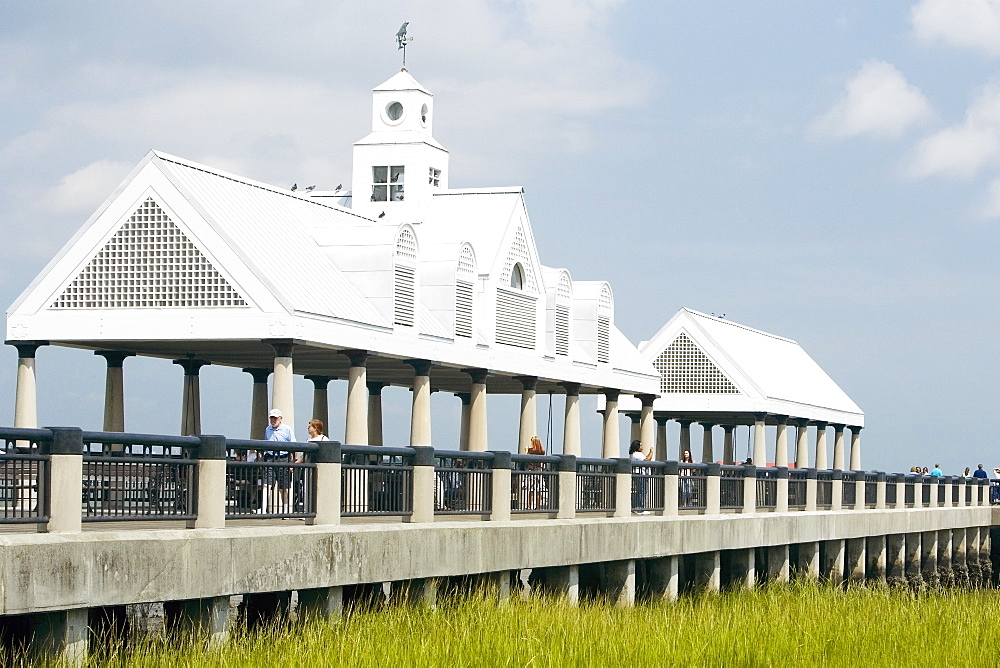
x,y
687,484
639,483
979,472
936,471
277,479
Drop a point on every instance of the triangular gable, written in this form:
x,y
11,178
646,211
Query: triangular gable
x,y
685,368
518,245
149,262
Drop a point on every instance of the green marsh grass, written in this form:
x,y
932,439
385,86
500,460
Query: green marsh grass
x,y
800,624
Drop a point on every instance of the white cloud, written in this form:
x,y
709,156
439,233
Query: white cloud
x,y
84,189
962,150
971,24
878,101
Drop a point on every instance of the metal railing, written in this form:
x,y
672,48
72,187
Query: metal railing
x,y
871,490
797,488
956,490
595,485
849,495
24,475
463,483
376,480
691,487
266,482
940,492
909,491
731,487
824,489
647,486
534,484
891,492
138,477
767,488
925,491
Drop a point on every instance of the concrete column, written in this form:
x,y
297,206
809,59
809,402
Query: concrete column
x,y
501,472
945,574
324,602
670,489
191,401
561,581
663,578
356,430
900,491
959,557
855,559
880,489
420,413
611,447
647,424
778,564
821,460
328,484
375,412
781,442
258,403
619,582
567,487
933,482
802,444
529,413
912,558
855,448
685,440
759,443
972,556
623,487
749,489
661,438
423,484
838,447
463,429
875,558
114,389
571,424
419,592
634,427
859,490
201,616
65,488
834,560
282,392
836,490
708,570
713,489
478,438
26,392
321,402
61,634
895,558
946,482
211,485
743,568
707,445
928,557
781,505
809,560
727,444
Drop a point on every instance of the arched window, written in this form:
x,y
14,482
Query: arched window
x,y
465,276
517,277
404,283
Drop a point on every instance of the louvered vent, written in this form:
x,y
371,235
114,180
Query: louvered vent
x,y
515,319
406,245
562,330
404,296
463,309
603,338
149,263
685,368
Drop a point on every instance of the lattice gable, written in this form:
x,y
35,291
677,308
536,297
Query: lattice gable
x,y
149,262
685,368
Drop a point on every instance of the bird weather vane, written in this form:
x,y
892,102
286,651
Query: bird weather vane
x,y
402,40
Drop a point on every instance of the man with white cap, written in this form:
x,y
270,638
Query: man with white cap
x,y
279,476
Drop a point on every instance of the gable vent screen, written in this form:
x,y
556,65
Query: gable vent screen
x,y
562,330
403,295
603,338
519,253
515,319
406,245
149,262
685,368
463,309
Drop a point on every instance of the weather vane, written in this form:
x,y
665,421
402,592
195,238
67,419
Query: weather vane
x,y
402,40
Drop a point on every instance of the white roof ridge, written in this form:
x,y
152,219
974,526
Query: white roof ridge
x,y
738,325
490,190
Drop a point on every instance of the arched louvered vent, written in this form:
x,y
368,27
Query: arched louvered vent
x,y
464,281
564,300
149,263
605,312
518,253
404,283
684,368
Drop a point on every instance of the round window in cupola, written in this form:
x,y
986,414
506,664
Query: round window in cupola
x,y
394,112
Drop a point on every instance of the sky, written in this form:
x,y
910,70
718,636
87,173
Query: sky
x,y
827,171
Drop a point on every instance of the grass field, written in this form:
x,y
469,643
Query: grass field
x,y
800,624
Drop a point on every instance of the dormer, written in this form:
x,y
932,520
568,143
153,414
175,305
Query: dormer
x,y
399,166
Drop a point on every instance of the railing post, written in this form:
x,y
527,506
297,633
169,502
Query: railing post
x,y
836,490
811,484
670,489
781,480
974,497
900,482
423,484
859,490
962,484
932,499
713,489
501,472
567,487
329,478
749,489
880,483
210,505
946,482
623,487
918,491
65,487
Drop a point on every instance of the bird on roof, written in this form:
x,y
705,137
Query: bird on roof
x,y
295,186
310,188
382,215
395,177
340,186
